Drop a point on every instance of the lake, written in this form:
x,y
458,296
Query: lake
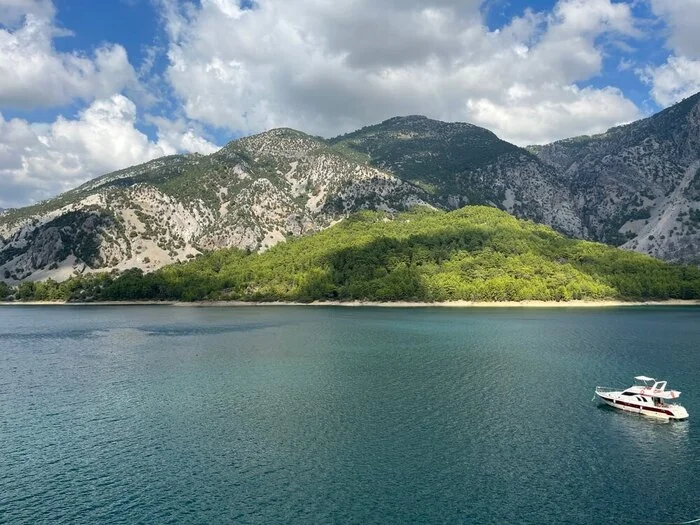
x,y
160,414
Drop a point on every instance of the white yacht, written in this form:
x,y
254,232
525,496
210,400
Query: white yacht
x,y
648,397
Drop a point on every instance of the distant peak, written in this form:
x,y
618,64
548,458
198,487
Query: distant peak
x,y
284,133
407,118
275,134
423,122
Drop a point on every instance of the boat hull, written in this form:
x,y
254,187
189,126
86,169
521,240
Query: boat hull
x,y
667,412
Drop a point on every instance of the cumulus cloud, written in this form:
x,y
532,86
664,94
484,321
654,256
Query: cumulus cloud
x,y
681,17
181,135
329,67
35,75
676,79
539,121
12,12
38,160
679,76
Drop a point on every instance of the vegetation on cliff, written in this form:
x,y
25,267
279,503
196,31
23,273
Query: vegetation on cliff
x,y
474,253
635,186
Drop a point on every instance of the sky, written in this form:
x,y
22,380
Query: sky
x,y
88,87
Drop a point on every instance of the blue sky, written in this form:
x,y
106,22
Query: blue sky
x,y
89,87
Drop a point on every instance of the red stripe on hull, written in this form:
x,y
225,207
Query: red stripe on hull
x,y
641,407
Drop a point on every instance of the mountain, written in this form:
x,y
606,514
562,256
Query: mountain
x,y
474,253
636,185
459,164
259,190
251,194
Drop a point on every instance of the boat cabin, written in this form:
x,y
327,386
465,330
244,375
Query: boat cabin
x,y
650,390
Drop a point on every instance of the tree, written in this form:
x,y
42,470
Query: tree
x,y
26,290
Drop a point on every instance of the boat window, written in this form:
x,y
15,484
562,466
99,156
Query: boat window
x,y
627,393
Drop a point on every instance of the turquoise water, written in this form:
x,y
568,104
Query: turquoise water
x,y
342,415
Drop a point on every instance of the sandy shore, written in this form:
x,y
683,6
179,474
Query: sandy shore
x,y
455,304
395,304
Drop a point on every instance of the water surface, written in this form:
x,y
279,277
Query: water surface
x,y
155,414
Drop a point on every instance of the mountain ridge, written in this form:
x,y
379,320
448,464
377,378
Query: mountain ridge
x,y
637,179
635,185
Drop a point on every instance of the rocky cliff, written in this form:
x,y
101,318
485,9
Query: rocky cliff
x,y
637,186
251,194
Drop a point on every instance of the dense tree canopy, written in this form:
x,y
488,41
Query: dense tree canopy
x,y
475,253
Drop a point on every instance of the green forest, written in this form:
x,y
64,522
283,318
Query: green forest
x,y
475,253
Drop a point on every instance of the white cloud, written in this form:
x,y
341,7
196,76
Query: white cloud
x,y
676,79
531,120
679,76
12,12
37,160
682,17
329,67
34,74
181,135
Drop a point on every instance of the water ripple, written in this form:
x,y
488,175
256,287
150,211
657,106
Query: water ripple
x,y
325,415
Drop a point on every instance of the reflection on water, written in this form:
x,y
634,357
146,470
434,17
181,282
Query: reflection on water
x,y
649,435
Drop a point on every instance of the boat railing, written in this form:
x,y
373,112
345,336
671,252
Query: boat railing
x,y
672,405
603,389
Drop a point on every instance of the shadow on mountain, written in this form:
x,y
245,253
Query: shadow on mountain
x,y
472,263
473,254
75,233
387,268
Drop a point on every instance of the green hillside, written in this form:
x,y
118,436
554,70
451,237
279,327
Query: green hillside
x,y
474,253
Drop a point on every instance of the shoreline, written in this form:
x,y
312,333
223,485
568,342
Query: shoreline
x,y
376,304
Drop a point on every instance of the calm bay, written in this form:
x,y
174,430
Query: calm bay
x,y
155,414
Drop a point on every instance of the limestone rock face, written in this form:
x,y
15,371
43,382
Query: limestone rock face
x,y
638,185
635,186
252,194
459,164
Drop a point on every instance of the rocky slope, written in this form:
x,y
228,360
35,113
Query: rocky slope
x,y
459,164
251,194
636,185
